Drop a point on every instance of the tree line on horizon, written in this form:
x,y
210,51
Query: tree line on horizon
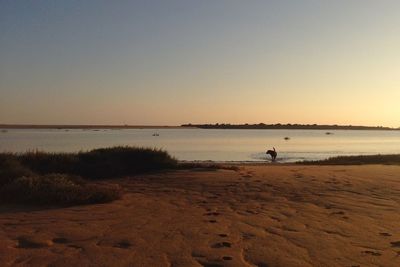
x,y
286,126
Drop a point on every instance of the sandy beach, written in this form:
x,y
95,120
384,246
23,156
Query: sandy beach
x,y
282,215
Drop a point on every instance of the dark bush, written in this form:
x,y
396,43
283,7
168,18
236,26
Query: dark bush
x,y
45,163
56,189
11,168
99,163
122,161
52,178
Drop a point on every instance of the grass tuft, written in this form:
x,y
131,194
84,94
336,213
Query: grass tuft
x,y
357,160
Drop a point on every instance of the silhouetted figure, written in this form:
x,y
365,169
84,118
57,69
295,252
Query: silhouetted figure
x,y
272,153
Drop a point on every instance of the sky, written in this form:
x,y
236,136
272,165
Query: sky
x,y
212,61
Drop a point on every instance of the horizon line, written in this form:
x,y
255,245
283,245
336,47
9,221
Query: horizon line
x,y
185,125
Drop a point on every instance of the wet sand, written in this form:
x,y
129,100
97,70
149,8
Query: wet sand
x,y
286,215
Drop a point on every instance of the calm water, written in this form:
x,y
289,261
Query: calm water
x,y
217,145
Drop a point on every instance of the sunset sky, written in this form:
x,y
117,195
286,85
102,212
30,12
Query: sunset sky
x,y
173,62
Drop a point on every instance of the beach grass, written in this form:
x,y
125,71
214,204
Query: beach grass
x,y
11,168
99,163
66,178
393,159
56,189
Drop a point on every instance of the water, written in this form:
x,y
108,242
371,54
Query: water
x,y
206,144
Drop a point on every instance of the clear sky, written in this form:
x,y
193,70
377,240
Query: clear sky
x,y
173,62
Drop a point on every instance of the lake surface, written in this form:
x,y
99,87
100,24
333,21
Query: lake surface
x,y
210,144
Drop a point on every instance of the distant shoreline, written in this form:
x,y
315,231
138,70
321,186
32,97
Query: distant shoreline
x,y
279,126
259,126
32,126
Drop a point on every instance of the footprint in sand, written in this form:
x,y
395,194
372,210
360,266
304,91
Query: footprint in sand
x,y
209,264
200,258
337,213
385,234
395,244
212,213
252,212
60,240
275,218
27,242
222,245
373,253
123,244
197,254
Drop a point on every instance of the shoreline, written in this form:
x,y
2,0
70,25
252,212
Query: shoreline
x,y
116,127
357,159
82,127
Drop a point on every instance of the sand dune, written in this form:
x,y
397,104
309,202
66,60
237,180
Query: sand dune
x,y
257,216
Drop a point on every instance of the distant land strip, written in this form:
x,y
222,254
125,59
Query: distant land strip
x,y
203,126
33,126
288,126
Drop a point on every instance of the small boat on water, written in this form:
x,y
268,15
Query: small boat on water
x,y
328,133
156,134
4,131
287,138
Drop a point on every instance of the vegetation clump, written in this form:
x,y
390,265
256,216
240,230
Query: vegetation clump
x,y
11,168
357,160
56,189
62,178
100,163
